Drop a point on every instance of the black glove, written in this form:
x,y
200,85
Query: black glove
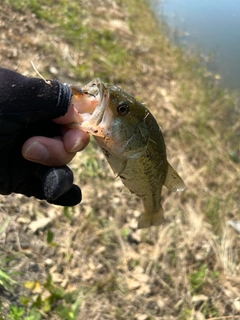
x,y
27,106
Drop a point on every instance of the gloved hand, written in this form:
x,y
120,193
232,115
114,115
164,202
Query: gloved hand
x,y
18,122
32,179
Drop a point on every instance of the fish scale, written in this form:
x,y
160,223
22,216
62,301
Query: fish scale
x,y
133,145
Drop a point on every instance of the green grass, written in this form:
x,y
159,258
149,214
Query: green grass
x,y
101,49
58,302
195,116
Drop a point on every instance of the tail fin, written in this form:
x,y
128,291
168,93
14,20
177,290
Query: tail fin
x,y
147,220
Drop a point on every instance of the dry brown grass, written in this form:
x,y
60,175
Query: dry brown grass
x,y
188,268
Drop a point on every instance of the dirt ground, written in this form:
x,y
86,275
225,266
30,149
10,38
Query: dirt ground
x,y
188,268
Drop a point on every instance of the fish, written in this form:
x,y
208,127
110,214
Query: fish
x,y
133,144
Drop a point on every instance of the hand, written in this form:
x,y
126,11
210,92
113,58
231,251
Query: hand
x,y
46,147
60,150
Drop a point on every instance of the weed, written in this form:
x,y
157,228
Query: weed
x,y
68,213
4,226
185,314
172,254
5,276
107,285
212,213
54,300
125,232
198,278
132,264
194,114
5,280
16,313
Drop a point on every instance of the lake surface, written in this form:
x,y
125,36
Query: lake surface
x,y
211,27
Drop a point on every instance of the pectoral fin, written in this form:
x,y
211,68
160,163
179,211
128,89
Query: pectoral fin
x,y
121,168
173,181
147,220
126,191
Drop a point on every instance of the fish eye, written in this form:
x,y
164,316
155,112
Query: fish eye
x,y
123,109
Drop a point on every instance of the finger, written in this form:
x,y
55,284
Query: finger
x,y
75,140
70,198
56,182
71,116
47,151
52,184
58,187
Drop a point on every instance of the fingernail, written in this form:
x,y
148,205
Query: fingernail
x,y
36,152
78,146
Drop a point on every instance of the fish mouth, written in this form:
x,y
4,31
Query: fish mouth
x,y
95,90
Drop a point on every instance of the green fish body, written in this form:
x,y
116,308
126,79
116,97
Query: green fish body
x,y
133,144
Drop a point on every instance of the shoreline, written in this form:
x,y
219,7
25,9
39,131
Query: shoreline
x,y
217,51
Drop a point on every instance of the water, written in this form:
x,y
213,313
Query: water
x,y
213,26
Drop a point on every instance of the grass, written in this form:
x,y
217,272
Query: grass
x,y
109,270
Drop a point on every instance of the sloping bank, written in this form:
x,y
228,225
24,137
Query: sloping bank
x,y
189,266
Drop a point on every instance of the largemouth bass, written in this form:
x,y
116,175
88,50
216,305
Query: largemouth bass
x,y
132,143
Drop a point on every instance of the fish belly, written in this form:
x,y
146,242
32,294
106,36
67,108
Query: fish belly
x,y
144,177
146,183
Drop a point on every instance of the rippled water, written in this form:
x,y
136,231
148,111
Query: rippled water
x,y
213,26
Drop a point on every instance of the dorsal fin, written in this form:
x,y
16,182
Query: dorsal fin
x,y
173,181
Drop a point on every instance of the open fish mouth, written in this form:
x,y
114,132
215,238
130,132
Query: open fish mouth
x,y
95,94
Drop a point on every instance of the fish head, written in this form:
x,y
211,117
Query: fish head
x,y
118,121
